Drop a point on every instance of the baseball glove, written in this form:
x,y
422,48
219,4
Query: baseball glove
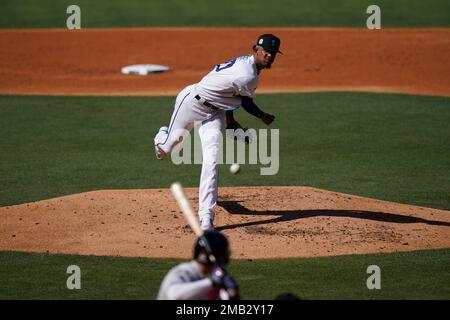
x,y
237,132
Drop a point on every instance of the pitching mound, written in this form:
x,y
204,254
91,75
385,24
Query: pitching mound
x,y
261,222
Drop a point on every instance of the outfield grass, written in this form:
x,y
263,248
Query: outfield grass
x,y
385,146
234,13
414,275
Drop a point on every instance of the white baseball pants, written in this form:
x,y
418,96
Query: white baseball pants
x,y
187,112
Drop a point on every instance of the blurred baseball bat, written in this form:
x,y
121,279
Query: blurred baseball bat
x,y
189,214
191,218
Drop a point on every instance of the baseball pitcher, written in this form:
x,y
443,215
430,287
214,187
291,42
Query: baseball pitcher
x,y
211,102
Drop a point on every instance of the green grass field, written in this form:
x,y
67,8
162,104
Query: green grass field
x,y
385,146
414,275
234,13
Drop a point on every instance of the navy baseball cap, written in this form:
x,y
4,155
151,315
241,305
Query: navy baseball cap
x,y
269,42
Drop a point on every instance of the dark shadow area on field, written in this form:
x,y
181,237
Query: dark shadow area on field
x,y
234,207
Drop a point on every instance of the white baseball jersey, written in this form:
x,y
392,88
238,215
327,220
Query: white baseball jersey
x,y
227,81
185,282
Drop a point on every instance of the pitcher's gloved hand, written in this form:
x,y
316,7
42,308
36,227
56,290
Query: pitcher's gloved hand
x,y
242,135
222,279
267,118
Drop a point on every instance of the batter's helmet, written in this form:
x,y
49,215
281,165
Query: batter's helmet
x,y
219,247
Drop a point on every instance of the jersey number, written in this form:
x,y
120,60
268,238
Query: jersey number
x,y
225,65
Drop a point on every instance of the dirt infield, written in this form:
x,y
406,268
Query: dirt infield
x,y
262,222
88,62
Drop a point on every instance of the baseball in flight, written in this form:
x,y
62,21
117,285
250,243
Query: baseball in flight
x,y
235,168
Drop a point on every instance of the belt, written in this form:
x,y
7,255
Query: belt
x,y
206,103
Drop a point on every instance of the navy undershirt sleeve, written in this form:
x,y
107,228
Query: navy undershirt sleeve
x,y
251,107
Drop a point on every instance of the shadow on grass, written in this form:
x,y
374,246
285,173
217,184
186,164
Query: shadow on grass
x,y
234,207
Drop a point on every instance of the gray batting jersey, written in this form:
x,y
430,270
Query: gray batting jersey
x,y
226,82
185,282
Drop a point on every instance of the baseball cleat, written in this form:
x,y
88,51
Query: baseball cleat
x,y
162,134
160,154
